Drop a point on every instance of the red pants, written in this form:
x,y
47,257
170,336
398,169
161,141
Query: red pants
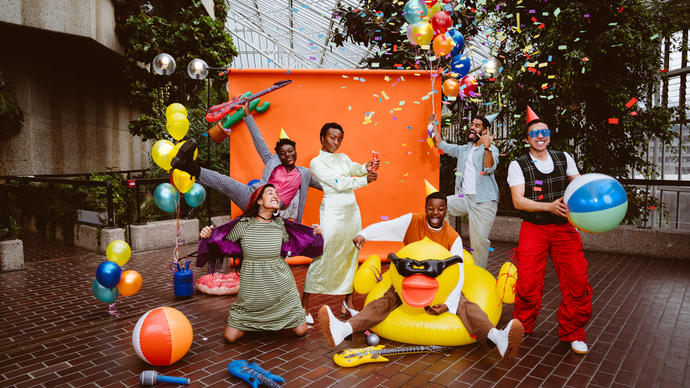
x,y
565,246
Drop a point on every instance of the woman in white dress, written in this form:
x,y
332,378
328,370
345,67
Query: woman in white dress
x,y
340,219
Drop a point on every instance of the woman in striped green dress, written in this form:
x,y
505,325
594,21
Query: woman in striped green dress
x,y
268,299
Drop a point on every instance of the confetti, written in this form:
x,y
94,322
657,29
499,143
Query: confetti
x,y
540,197
631,102
385,218
460,195
652,207
613,121
491,249
538,182
536,188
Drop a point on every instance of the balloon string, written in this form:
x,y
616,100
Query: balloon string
x,y
112,308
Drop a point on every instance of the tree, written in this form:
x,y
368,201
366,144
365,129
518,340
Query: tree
x,y
11,115
589,69
183,29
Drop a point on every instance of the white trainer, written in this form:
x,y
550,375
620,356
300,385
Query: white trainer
x,y
334,330
310,319
579,347
508,340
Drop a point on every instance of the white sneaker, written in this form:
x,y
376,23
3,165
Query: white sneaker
x,y
508,340
579,347
310,319
334,330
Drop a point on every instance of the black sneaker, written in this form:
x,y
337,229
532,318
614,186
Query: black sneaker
x,y
184,160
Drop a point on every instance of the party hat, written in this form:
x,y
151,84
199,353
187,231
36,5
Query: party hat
x,y
283,135
531,116
429,187
491,118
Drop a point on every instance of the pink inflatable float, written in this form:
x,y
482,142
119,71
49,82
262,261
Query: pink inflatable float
x,y
219,283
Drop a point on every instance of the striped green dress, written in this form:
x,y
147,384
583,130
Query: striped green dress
x,y
268,298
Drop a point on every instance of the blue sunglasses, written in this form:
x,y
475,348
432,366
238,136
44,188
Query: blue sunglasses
x,y
537,132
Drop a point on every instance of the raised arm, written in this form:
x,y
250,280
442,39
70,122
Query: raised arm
x,y
259,143
392,230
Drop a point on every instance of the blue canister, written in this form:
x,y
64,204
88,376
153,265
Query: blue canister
x,y
184,281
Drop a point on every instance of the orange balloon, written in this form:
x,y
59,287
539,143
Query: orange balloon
x,y
443,43
451,87
130,283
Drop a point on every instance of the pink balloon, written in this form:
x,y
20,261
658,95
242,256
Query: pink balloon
x,y
441,22
410,36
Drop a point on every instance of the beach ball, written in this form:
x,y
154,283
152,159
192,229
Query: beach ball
x,y
597,203
162,336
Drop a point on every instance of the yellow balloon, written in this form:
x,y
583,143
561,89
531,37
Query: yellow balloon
x,y
177,149
182,180
175,107
422,33
435,8
177,125
118,251
162,153
505,284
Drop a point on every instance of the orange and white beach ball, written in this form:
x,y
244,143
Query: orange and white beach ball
x,y
162,336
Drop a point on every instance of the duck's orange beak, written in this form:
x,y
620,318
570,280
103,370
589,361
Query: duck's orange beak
x,y
419,290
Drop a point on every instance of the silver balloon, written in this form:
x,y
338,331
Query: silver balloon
x,y
197,69
491,69
373,339
163,64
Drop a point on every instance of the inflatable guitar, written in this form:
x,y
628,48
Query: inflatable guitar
x,y
354,357
254,374
217,112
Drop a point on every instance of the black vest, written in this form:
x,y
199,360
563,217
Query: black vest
x,y
552,186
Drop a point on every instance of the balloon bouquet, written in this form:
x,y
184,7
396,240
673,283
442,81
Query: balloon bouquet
x,y
167,195
429,22
111,282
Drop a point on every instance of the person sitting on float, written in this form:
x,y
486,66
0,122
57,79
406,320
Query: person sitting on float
x,y
268,299
410,228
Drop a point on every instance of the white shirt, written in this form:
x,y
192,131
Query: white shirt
x,y
516,177
395,230
469,176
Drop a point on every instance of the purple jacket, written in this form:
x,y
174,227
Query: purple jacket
x,y
302,242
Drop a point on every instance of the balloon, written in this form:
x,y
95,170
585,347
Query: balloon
x,y
177,149
130,283
195,196
414,11
118,252
166,197
105,295
410,36
470,83
459,42
182,180
433,10
108,274
177,125
451,88
441,22
162,153
491,68
460,64
175,107
422,33
442,45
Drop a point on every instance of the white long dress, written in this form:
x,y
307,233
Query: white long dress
x,y
340,220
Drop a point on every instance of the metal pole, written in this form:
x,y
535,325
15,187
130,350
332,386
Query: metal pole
x,y
208,151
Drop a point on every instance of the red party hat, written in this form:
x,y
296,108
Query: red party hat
x,y
531,116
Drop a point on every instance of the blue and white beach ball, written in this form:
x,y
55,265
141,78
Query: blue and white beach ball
x,y
597,203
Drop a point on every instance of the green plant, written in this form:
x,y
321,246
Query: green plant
x,y
11,115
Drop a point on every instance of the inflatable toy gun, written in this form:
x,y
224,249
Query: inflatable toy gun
x,y
151,377
217,112
254,374
354,357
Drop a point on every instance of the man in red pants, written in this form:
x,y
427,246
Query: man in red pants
x,y
537,183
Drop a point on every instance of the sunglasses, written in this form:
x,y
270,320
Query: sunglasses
x,y
430,268
537,132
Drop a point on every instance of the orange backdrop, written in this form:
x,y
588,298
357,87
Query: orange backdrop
x,y
382,110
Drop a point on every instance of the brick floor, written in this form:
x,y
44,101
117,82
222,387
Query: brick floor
x,y
53,332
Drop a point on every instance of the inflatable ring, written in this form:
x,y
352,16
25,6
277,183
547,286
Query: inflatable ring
x,y
218,283
414,325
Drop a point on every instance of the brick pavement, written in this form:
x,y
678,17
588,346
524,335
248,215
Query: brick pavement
x,y
53,332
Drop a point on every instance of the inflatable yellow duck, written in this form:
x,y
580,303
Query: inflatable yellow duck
x,y
410,323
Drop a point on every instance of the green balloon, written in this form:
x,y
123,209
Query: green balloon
x,y
105,295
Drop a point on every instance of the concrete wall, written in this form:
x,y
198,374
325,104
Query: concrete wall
x,y
93,19
64,64
662,243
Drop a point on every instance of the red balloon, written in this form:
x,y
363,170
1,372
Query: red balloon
x,y
430,3
441,22
470,85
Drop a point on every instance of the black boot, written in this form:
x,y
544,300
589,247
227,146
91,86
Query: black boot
x,y
184,160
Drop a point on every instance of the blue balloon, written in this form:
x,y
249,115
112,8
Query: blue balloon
x,y
105,295
195,196
108,274
414,11
461,65
166,197
459,42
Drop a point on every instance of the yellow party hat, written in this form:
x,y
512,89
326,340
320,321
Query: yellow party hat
x,y
283,135
429,187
